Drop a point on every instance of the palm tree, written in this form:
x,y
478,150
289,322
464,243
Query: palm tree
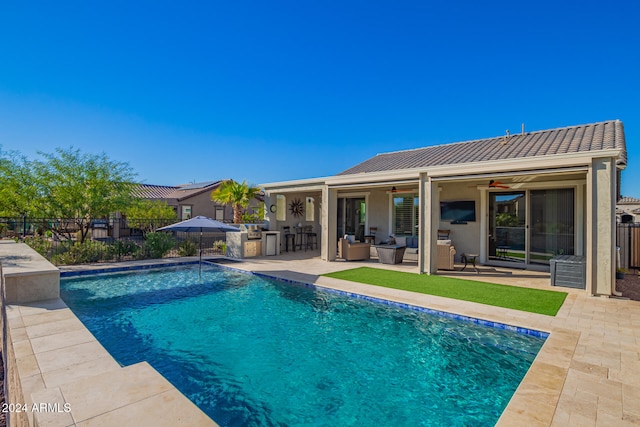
x,y
238,195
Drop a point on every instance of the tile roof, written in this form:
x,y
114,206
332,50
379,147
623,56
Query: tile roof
x,y
185,191
147,191
628,201
573,139
180,192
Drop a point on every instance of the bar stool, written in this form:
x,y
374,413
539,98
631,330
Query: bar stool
x,y
371,237
300,236
289,237
312,238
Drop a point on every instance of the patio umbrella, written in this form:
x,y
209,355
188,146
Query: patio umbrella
x,y
201,224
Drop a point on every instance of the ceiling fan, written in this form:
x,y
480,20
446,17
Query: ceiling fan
x,y
497,184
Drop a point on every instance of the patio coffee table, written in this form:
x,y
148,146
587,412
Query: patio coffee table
x,y
466,258
390,254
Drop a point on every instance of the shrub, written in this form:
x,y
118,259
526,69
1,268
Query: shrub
x,y
81,253
157,245
40,244
188,248
220,246
122,248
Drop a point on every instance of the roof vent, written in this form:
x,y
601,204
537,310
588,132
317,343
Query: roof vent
x,y
506,137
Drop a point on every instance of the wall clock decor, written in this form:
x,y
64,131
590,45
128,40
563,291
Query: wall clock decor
x,y
296,207
273,208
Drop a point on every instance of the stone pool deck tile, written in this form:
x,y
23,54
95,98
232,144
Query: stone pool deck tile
x,y
55,327
61,340
69,356
124,386
54,415
176,410
133,395
80,370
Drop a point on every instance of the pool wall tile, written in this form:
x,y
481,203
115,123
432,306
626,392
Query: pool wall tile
x,y
107,270
488,323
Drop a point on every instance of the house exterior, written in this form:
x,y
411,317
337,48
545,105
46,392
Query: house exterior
x,y
514,201
628,210
188,200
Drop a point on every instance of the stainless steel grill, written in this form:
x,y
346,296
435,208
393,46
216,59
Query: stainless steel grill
x,y
254,231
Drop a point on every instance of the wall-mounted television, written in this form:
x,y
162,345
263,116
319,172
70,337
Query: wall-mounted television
x,y
459,211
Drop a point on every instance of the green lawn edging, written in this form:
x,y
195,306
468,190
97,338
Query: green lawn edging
x,y
513,297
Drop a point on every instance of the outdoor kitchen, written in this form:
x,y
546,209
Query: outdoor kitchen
x,y
253,241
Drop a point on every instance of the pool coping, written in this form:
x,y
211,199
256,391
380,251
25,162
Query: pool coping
x,y
535,401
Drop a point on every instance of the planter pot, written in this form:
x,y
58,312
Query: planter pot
x,y
619,275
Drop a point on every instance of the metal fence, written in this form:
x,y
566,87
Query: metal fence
x,y
115,239
628,242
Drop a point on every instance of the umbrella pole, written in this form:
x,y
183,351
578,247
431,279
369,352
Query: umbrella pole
x,y
200,263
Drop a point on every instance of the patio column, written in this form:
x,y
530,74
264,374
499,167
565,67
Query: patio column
x,y
601,223
328,214
428,225
269,217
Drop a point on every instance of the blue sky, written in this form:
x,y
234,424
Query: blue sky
x,y
271,91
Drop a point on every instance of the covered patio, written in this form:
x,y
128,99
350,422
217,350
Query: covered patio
x,y
516,201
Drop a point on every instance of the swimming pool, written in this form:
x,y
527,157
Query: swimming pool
x,y
252,351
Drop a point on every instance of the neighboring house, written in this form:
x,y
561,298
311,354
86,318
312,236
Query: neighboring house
x,y
188,200
628,210
515,201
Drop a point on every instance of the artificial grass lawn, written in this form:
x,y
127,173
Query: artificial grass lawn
x,y
524,299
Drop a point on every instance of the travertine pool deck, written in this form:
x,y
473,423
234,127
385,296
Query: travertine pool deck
x,y
587,373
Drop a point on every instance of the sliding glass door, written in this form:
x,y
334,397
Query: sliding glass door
x,y
507,227
352,216
552,224
531,227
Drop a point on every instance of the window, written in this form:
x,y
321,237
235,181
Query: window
x,y
281,206
405,215
310,210
186,212
219,213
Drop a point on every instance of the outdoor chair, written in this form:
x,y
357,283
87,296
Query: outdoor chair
x,y
353,251
446,252
288,237
312,237
371,237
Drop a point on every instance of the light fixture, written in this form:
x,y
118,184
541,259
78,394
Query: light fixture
x,y
394,189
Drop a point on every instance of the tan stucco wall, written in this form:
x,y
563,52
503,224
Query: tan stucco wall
x,y
292,221
603,226
465,237
378,213
202,204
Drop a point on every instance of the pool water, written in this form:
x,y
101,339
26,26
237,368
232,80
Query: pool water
x,y
255,352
